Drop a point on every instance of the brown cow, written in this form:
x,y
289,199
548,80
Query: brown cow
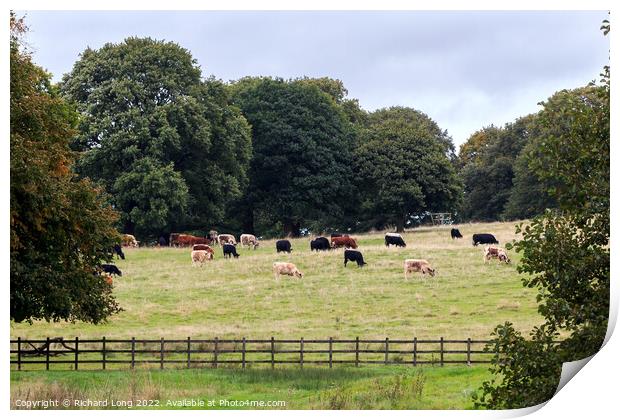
x,y
200,257
343,241
495,252
174,239
421,266
190,240
203,247
285,268
249,240
129,240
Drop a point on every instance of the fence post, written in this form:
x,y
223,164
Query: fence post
x,y
386,351
330,352
469,352
441,351
103,352
161,353
47,355
76,353
243,353
215,353
19,353
272,353
301,352
133,352
415,351
189,352
357,351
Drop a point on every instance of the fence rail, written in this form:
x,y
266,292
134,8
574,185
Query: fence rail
x,y
74,354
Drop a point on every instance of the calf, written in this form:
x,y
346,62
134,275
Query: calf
x,y
421,266
230,251
288,269
483,238
319,244
455,234
344,241
394,239
200,257
226,239
111,269
249,240
283,245
495,252
350,255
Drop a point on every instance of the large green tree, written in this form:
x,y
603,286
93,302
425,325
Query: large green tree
x,y
61,227
145,99
402,161
301,164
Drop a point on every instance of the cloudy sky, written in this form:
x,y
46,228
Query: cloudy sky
x,y
466,70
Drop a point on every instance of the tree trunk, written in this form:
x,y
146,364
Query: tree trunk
x,y
291,228
400,225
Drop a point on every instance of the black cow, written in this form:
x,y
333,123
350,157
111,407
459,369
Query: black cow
x,y
283,245
394,239
230,251
320,244
111,269
484,238
351,255
118,250
454,233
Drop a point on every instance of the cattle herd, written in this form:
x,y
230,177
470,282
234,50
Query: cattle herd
x,y
202,250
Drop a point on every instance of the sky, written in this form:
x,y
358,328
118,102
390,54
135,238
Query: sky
x,y
464,69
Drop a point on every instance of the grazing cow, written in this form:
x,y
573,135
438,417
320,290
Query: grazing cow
x,y
421,266
129,240
111,269
319,244
118,250
483,238
288,269
344,241
200,257
283,245
191,240
174,239
394,239
230,251
226,239
455,233
249,240
495,252
356,256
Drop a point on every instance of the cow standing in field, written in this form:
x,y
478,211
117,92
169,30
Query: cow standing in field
x,y
129,240
230,251
495,252
200,257
204,247
225,238
320,244
394,239
283,245
483,238
285,268
191,240
249,240
350,255
344,241
455,233
421,266
111,269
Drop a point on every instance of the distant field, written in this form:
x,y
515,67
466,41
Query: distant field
x,y
164,296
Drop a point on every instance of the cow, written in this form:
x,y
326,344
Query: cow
x,y
249,240
483,238
495,252
283,245
191,240
173,240
129,240
320,244
204,247
455,233
226,239
394,239
200,256
288,269
230,251
356,256
421,266
118,250
344,241
111,269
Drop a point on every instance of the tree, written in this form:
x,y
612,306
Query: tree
x,y
144,99
61,227
565,252
403,167
300,170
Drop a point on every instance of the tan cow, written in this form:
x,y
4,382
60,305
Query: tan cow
x,y
421,266
129,240
200,257
249,240
226,239
495,252
285,268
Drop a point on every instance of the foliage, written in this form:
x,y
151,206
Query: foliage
x,y
61,227
144,99
403,167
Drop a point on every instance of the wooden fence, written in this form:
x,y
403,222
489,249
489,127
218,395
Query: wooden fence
x,y
74,354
